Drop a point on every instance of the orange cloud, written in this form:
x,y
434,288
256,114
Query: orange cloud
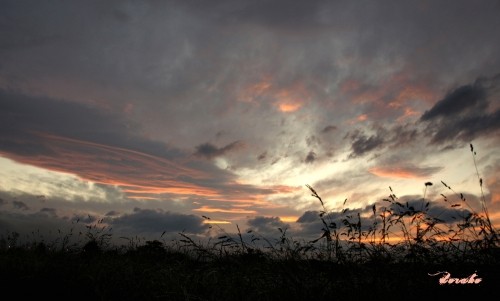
x,y
286,99
138,174
362,117
404,172
392,172
393,93
408,113
122,153
251,93
289,107
145,176
290,100
359,118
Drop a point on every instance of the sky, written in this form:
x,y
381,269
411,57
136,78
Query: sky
x,y
153,114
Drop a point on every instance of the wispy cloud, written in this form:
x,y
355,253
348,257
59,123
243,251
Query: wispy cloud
x,y
116,156
404,171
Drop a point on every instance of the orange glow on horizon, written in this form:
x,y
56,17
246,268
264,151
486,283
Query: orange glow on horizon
x,y
215,222
289,219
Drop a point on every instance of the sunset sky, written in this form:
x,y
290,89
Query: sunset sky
x,y
155,113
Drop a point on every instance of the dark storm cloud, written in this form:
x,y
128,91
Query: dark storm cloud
x,y
402,135
210,151
157,221
266,225
362,144
464,113
3,202
20,205
311,157
328,129
463,99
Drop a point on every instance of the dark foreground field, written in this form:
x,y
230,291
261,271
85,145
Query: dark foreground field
x,y
152,273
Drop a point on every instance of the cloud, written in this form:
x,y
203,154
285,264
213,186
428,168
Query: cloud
x,y
20,205
311,225
463,99
311,157
157,221
262,156
52,212
362,143
328,129
99,146
84,218
404,171
464,113
112,213
2,202
38,225
266,225
210,151
436,209
308,217
492,181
